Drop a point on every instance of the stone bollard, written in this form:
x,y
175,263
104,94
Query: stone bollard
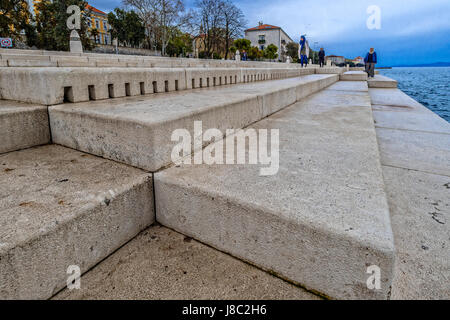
x,y
75,42
288,59
328,63
237,56
348,67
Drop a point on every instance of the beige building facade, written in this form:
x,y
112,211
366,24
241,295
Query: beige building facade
x,y
266,34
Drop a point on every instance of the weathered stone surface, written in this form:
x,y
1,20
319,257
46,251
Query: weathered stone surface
x,y
415,146
393,97
22,126
32,63
75,44
410,136
329,70
147,61
401,112
28,57
60,207
423,151
420,213
73,62
138,131
50,86
353,76
163,264
353,86
380,81
320,221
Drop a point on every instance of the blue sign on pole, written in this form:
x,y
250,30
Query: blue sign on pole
x,y
6,42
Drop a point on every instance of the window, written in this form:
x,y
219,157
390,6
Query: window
x,y
261,48
105,25
262,39
97,24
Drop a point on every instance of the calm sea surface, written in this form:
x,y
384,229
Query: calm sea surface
x,y
429,86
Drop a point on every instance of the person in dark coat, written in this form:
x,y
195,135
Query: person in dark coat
x,y
244,56
371,60
321,57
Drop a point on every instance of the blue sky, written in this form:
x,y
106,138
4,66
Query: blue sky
x,y
412,31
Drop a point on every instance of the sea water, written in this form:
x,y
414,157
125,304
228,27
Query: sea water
x,y
428,85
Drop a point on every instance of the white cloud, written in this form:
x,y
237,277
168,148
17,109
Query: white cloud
x,y
328,21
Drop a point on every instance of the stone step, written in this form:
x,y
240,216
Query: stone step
x,y
320,221
60,207
138,130
353,76
414,145
380,81
50,86
329,70
91,59
22,126
161,264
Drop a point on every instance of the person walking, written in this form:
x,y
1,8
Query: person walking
x,y
321,57
371,60
244,56
303,51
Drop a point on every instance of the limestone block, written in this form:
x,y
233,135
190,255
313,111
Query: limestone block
x,y
63,208
381,82
317,222
147,123
22,126
353,76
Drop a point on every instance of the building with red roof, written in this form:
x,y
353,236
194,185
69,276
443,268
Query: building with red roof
x,y
98,20
265,34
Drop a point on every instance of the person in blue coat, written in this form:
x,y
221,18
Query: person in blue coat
x,y
371,60
303,51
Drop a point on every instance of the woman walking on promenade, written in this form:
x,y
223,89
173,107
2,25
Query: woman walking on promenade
x,y
370,61
303,51
321,57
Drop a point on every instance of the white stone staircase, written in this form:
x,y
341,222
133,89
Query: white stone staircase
x,y
319,223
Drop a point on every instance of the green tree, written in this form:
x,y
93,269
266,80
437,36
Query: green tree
x,y
95,33
242,44
314,56
254,53
135,29
51,25
292,50
16,20
271,52
127,27
179,44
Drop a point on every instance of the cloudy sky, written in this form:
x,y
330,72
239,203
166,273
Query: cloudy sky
x,y
412,31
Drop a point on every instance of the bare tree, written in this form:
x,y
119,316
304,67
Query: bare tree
x,y
170,15
209,23
219,22
161,18
234,23
145,10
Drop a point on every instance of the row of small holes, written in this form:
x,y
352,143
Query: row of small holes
x,y
68,91
214,81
